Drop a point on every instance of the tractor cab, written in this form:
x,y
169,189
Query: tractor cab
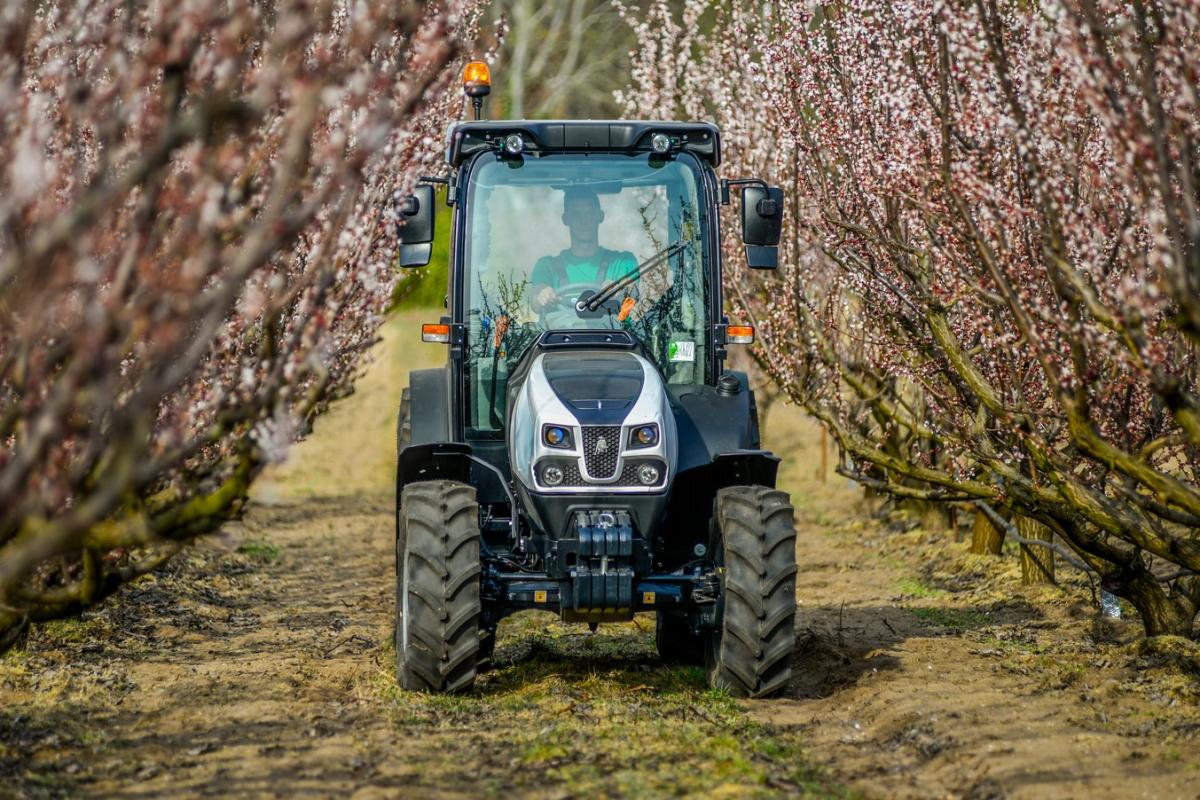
x,y
584,419
581,241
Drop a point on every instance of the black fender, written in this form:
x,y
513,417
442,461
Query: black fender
x,y
710,423
434,461
429,455
690,507
744,468
735,468
429,391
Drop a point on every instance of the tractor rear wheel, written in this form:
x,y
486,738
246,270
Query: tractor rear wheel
x,y
675,641
404,421
437,587
750,652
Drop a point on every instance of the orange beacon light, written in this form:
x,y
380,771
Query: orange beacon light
x,y
477,84
477,79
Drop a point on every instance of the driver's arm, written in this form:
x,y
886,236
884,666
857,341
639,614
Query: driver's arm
x,y
623,265
541,292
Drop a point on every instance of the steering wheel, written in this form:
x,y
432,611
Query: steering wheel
x,y
569,295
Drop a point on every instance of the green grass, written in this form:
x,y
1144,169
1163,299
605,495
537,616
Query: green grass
x,y
262,551
73,630
598,715
960,619
914,587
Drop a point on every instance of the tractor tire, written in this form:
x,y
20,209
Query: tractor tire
x,y
437,587
403,440
404,421
675,641
750,652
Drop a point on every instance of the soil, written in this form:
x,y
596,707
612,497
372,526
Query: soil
x,y
924,671
259,664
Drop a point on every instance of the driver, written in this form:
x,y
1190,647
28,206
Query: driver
x,y
585,261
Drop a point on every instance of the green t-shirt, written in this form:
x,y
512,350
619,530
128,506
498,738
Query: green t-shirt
x,y
571,268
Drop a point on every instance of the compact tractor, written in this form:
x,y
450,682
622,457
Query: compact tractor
x,y
584,451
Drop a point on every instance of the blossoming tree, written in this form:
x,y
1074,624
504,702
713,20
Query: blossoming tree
x,y
196,237
992,280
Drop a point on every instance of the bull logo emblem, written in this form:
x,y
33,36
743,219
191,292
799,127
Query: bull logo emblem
x,y
601,445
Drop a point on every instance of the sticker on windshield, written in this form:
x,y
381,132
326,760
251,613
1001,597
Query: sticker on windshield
x,y
682,351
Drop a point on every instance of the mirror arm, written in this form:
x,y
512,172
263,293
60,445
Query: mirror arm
x,y
728,182
448,182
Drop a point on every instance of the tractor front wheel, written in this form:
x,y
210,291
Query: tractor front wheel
x,y
750,652
437,587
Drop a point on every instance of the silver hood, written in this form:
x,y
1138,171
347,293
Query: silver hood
x,y
601,397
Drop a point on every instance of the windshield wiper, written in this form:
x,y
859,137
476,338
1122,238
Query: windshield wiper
x,y
611,289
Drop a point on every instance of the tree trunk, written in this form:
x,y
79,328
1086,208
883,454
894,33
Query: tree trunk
x,y
823,470
1162,614
935,517
986,538
1037,563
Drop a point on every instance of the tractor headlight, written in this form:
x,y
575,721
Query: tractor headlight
x,y
552,475
648,474
557,436
643,436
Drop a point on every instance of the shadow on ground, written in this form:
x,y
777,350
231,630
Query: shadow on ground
x,y
837,645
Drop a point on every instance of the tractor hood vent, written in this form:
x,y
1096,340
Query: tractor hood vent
x,y
599,387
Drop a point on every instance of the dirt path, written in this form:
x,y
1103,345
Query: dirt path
x,y
259,664
922,671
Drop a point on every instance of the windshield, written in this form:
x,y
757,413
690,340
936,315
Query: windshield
x,y
581,241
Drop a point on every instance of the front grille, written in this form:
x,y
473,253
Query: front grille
x,y
601,446
571,476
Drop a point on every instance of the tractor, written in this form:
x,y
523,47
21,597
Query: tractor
x,y
584,451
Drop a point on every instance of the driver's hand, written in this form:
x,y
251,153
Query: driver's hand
x,y
545,297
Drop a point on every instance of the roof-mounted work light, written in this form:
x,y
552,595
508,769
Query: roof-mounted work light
x,y
514,144
660,143
477,84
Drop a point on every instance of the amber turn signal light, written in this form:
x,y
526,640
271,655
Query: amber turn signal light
x,y
740,334
436,332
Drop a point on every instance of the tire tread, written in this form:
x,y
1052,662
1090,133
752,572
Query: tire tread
x,y
438,524
753,654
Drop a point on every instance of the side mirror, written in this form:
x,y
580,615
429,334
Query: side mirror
x,y
416,233
762,222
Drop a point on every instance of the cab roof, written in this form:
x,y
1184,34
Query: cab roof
x,y
702,139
